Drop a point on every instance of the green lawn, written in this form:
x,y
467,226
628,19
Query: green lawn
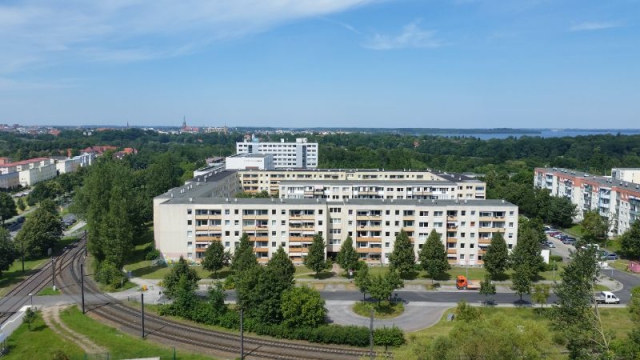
x,y
41,343
15,275
386,309
49,291
120,345
576,231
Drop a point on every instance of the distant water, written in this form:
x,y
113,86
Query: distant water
x,y
543,133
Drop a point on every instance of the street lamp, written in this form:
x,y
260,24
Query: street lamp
x,y
31,297
53,269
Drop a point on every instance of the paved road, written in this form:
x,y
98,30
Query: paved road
x,y
416,316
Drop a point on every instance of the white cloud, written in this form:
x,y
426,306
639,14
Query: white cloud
x,y
45,32
591,26
412,36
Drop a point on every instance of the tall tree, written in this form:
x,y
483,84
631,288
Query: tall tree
x,y
8,253
595,227
315,259
521,280
630,241
574,313
281,265
541,294
487,288
215,258
496,260
7,207
303,307
433,256
260,292
363,280
403,257
243,257
163,174
527,253
181,270
41,231
21,205
348,256
382,286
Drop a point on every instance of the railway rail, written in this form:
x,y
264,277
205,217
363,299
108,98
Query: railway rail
x,y
19,295
207,340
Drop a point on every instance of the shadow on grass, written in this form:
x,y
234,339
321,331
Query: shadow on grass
x,y
220,274
147,270
502,277
323,275
412,275
441,277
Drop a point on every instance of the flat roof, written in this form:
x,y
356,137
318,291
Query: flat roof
x,y
199,186
602,180
254,155
274,201
367,182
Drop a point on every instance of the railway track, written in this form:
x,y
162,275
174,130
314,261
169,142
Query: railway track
x,y
19,295
207,340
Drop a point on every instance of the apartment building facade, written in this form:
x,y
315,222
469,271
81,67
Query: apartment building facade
x,y
185,225
32,171
300,154
339,184
616,200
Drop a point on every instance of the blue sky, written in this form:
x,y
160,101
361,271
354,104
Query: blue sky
x,y
306,63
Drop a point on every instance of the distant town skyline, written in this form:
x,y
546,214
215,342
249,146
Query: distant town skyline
x,y
331,63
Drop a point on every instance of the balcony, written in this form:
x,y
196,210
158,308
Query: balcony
x,y
452,240
297,250
258,238
492,218
369,250
301,239
452,251
369,239
208,217
261,250
207,238
484,241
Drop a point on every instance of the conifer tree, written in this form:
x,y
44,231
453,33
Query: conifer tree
x,y
403,258
315,259
433,256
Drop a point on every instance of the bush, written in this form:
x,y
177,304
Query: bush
x,y
556,258
559,339
229,283
392,336
152,254
107,273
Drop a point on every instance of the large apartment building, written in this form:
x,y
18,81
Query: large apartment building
x,y
340,184
32,171
616,200
189,218
286,155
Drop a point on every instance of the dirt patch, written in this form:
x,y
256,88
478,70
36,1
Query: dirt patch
x,y
51,317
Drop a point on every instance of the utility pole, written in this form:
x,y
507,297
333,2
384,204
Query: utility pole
x,y
371,336
53,269
241,334
22,242
142,302
82,285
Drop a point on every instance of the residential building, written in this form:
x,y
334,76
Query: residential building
x,y
616,200
9,180
187,219
300,154
250,162
626,174
32,171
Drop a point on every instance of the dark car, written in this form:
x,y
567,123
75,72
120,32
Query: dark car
x,y
569,240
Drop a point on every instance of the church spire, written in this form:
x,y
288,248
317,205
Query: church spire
x,y
184,122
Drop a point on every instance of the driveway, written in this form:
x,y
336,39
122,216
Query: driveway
x,y
416,315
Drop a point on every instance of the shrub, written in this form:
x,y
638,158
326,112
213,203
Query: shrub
x,y
152,254
229,283
556,258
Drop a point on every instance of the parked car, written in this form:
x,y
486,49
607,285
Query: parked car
x,y
550,244
569,240
606,297
610,256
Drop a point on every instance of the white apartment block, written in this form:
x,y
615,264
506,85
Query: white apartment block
x,y
300,154
9,180
189,218
68,165
626,174
32,171
339,184
250,161
616,200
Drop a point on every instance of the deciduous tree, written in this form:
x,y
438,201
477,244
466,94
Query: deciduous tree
x,y
541,294
381,287
260,292
281,265
8,253
180,270
7,207
527,253
243,257
315,259
630,241
403,258
433,256
487,288
363,280
347,257
303,306
41,231
496,259
521,280
215,258
595,227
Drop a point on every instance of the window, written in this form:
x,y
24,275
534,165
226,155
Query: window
x,y
236,233
350,233
350,222
227,211
227,244
320,212
350,212
226,233
283,233
387,244
461,256
510,224
387,212
273,244
236,212
386,233
437,224
335,210
189,233
472,256
473,212
463,235
473,235
273,211
510,235
397,212
424,213
437,213
397,223
336,231
463,213
273,233
319,222
472,245
283,244
463,223
283,222
510,246
423,224
511,213
283,212
461,245
189,211
188,222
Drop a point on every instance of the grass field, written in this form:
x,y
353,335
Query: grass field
x,y
40,343
120,345
615,320
49,291
386,310
15,275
